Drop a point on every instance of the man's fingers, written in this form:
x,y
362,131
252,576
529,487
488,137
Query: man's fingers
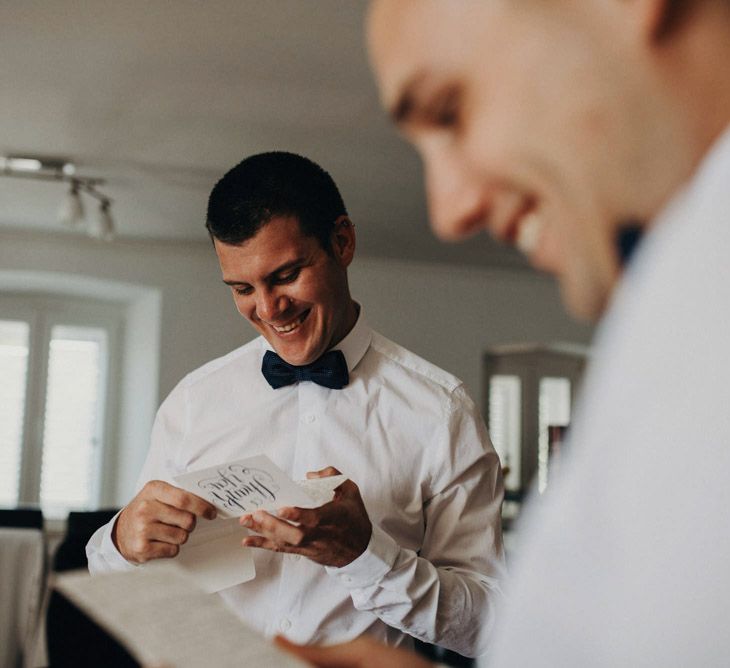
x,y
155,541
311,518
323,473
166,514
259,541
311,552
146,512
307,517
331,513
273,528
157,521
166,533
182,499
159,550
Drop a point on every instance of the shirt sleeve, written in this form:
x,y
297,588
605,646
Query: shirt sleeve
x,y
170,427
447,592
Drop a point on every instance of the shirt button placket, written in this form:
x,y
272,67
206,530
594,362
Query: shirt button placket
x,y
309,428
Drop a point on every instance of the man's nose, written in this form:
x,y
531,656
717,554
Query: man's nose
x,y
456,201
270,305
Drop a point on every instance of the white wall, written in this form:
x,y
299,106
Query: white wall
x,y
449,315
445,314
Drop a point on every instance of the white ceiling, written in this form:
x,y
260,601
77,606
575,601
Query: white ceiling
x,y
161,98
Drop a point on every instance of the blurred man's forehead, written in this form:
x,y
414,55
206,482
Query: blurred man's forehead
x,y
412,39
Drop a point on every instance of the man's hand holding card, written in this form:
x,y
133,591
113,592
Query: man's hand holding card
x,y
322,518
333,534
158,521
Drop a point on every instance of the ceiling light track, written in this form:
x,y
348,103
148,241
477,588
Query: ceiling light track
x,y
71,211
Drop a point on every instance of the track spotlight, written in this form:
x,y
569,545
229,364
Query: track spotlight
x,y
71,211
101,226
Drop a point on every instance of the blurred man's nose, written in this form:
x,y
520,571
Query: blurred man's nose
x,y
456,202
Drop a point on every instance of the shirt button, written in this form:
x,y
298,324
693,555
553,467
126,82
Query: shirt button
x,y
284,624
309,418
296,557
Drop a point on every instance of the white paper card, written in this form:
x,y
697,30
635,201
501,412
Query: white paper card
x,y
213,555
245,485
163,619
321,490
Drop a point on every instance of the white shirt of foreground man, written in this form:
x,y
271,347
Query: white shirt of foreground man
x,y
626,563
414,442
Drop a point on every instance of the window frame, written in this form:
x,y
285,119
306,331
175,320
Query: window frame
x,y
43,312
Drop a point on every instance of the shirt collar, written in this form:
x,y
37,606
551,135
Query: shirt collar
x,y
356,343
353,346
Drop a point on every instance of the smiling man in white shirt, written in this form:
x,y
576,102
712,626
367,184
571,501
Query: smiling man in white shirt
x,y
411,544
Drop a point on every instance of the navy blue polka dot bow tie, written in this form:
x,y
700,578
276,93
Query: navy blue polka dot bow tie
x,y
330,370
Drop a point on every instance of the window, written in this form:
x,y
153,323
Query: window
x,y
553,411
73,415
13,371
55,361
505,416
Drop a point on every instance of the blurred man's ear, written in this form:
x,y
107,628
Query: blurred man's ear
x,y
343,240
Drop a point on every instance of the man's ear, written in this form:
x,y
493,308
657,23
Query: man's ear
x,y
660,18
343,240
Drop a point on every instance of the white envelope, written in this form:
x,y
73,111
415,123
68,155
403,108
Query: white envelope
x,y
213,556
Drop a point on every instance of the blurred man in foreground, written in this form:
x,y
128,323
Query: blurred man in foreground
x,y
564,127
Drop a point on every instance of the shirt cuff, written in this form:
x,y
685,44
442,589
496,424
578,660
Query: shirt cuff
x,y
372,565
101,544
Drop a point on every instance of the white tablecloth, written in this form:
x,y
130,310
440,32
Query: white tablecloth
x,y
22,582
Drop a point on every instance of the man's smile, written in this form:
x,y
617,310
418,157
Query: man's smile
x,y
292,325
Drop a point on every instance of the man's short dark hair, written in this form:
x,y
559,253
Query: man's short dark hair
x,y
270,185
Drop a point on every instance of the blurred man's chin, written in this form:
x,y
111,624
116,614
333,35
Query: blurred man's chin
x,y
583,300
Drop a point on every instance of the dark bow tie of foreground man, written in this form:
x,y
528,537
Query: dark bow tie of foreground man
x,y
411,544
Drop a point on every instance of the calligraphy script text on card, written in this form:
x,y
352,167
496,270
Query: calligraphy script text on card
x,y
241,489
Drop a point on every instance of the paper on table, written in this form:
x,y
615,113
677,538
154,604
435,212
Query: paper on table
x,y
164,619
213,556
245,485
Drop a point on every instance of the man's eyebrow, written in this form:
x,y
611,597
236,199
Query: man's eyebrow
x,y
284,267
403,108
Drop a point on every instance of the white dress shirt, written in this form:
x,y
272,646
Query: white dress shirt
x,y
627,561
410,437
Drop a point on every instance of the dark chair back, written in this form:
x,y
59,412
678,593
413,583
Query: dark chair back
x,y
80,526
73,639
21,518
